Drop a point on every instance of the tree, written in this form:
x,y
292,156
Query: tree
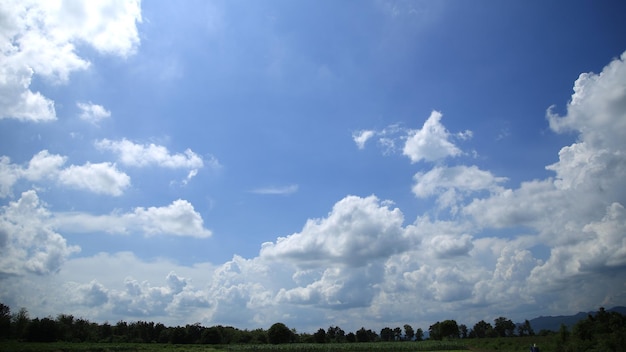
x,y
5,321
504,327
525,329
419,334
482,329
19,323
279,333
386,334
397,333
368,335
463,331
409,333
212,336
434,331
449,329
351,337
335,334
320,336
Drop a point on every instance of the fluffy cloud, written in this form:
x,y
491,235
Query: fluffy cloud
x,y
452,184
102,178
141,155
356,231
93,113
179,219
431,142
27,241
40,38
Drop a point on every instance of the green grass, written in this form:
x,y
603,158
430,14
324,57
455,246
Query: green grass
x,y
354,347
13,346
424,346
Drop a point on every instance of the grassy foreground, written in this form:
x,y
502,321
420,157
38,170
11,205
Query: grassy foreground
x,y
13,346
510,344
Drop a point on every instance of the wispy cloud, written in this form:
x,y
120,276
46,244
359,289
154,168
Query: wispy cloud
x,y
283,190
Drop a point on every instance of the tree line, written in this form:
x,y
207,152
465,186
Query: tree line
x,y
19,326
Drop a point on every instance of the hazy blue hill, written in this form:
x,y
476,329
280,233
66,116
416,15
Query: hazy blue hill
x,y
553,323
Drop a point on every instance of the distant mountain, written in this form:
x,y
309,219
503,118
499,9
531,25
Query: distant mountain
x,y
554,323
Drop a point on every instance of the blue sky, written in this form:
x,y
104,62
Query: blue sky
x,y
353,163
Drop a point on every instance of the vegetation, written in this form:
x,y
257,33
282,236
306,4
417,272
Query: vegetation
x,y
602,331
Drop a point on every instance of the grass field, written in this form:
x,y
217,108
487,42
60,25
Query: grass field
x,y
513,344
12,346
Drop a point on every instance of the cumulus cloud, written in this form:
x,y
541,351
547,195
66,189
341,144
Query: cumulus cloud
x,y
102,178
27,242
93,113
142,155
40,38
356,231
178,219
431,142
452,184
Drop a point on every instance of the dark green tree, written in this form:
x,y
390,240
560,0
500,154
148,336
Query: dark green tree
x,y
19,324
504,327
482,329
397,333
279,333
525,329
449,329
386,334
320,336
419,334
434,331
5,321
463,331
409,333
212,336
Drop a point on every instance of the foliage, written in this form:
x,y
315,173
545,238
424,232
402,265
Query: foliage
x,y
279,333
602,331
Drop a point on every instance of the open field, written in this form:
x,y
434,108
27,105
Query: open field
x,y
11,346
509,344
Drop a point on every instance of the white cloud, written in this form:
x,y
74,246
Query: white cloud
x,y
446,246
431,142
141,155
44,165
453,184
356,231
39,38
101,178
9,175
361,137
277,190
596,109
27,242
178,219
93,113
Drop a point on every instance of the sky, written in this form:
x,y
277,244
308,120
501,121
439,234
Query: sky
x,y
346,163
